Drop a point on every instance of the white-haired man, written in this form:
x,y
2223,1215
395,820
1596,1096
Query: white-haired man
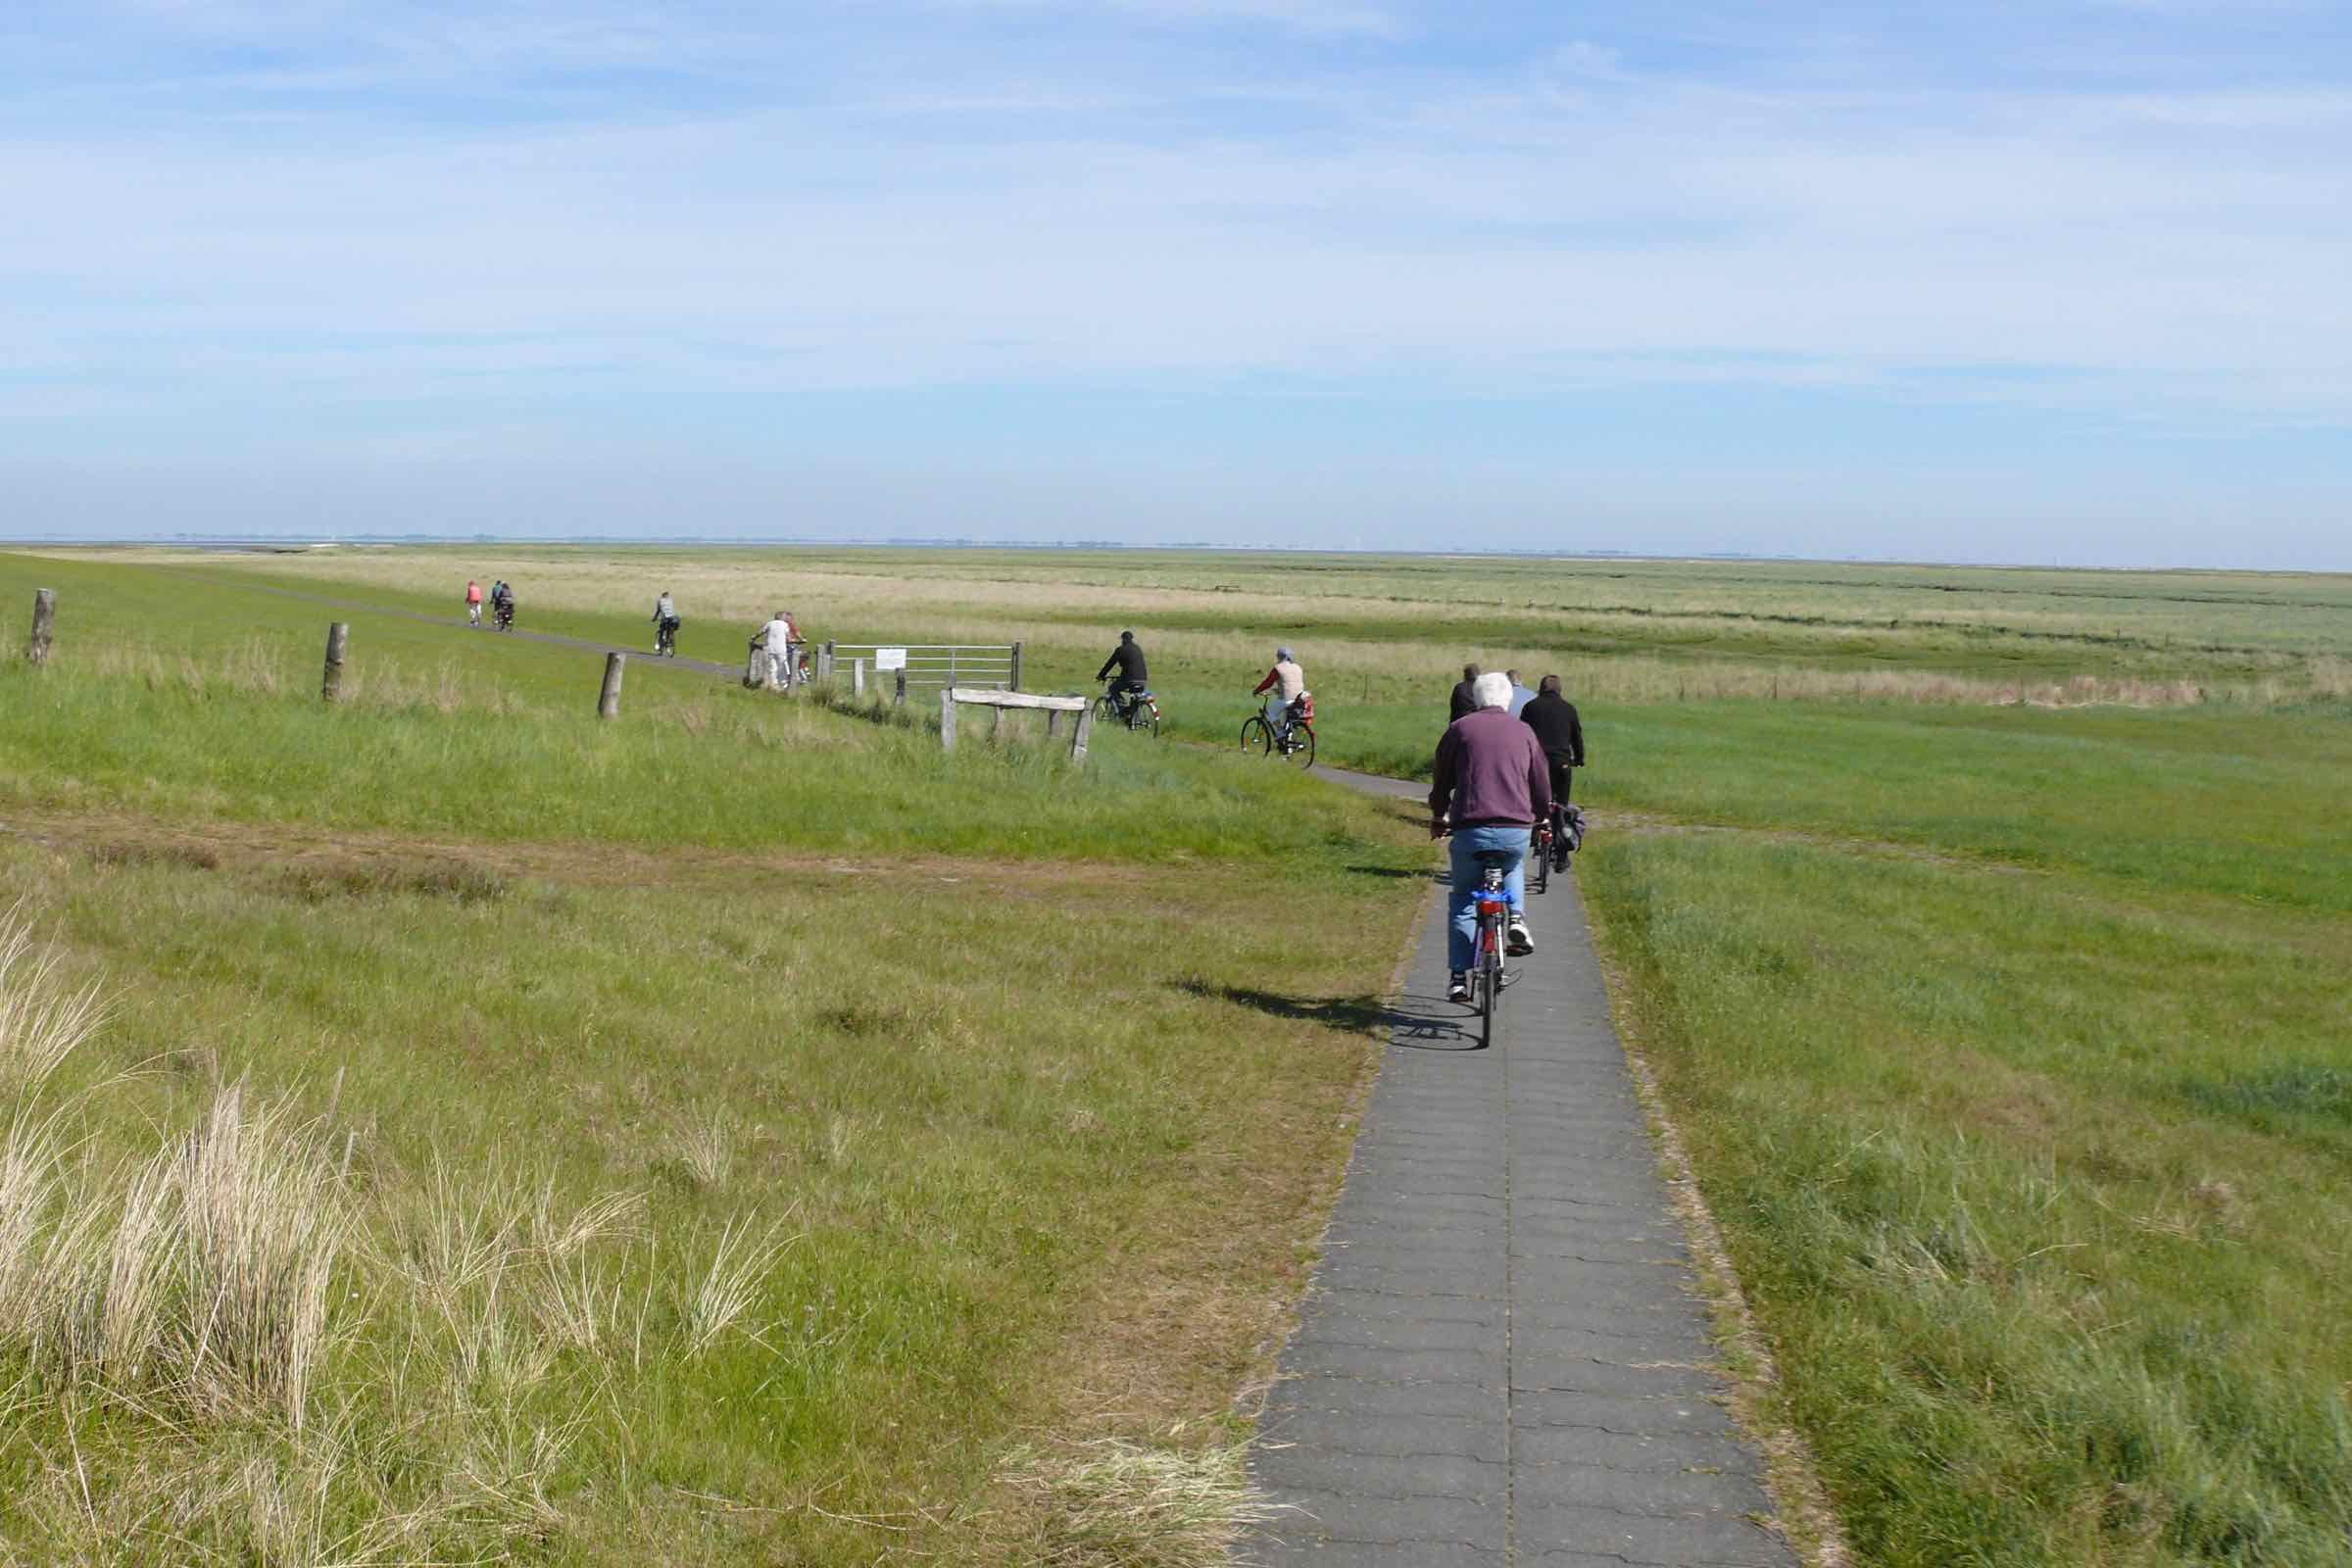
x,y
1492,778
1287,683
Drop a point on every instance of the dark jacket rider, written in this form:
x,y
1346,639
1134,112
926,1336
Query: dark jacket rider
x,y
1552,717
1128,659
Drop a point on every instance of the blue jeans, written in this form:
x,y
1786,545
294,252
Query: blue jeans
x,y
1461,941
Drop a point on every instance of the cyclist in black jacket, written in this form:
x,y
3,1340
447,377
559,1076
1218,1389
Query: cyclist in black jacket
x,y
1553,717
1128,659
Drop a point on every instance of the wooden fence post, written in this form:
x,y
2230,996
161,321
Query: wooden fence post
x,y
607,698
44,625
996,724
1052,723
824,661
331,685
1016,667
947,718
1082,733
857,679
898,695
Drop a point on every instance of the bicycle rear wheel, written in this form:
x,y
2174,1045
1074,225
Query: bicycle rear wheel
x,y
1300,748
1490,995
1538,880
1255,735
1147,720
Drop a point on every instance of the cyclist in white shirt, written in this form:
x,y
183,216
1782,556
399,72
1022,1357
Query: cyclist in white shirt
x,y
1287,683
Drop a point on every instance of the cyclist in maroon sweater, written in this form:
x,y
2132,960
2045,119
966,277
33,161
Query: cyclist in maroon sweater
x,y
1491,778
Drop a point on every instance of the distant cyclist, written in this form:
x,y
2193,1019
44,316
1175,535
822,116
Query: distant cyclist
x,y
1287,683
1490,775
501,604
473,602
1133,679
665,624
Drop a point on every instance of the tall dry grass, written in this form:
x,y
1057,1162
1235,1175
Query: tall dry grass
x,y
260,669
293,1368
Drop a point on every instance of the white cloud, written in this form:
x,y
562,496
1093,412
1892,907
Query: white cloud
x,y
1568,219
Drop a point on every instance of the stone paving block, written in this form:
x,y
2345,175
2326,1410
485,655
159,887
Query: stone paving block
x,y
1486,1280
1374,1403
1298,1467
1394,1521
1320,1553
1563,1292
1640,1380
1628,1336
1415,1334
1536,1412
1320,1359
1650,1539
1667,1491
1479,1435
1541,1452
1344,1299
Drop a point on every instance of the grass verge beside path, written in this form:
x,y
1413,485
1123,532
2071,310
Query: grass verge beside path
x,y
2040,1177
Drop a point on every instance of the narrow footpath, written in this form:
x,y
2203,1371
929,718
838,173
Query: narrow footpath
x,y
1502,1362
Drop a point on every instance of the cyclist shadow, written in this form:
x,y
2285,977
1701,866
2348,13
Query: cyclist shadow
x,y
1414,1021
1426,1021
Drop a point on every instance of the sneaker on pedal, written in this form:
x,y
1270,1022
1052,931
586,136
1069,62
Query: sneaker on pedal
x,y
1518,942
1457,988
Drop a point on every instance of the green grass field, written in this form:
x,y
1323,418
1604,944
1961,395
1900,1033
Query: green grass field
x,y
1986,930
731,1134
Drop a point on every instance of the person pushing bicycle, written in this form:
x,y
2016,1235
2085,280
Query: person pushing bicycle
x,y
1288,705
1128,659
1493,777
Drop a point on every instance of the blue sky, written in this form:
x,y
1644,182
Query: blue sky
x,y
1999,281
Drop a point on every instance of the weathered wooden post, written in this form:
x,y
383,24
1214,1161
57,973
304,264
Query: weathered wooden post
x,y
824,661
330,686
1083,732
857,679
1052,723
996,724
898,694
608,699
947,718
44,625
1016,667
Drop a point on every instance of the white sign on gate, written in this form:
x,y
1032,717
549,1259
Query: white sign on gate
x,y
890,658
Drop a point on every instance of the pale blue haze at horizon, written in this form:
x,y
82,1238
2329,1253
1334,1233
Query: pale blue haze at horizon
x,y
2011,282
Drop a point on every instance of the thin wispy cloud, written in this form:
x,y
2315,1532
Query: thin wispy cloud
x,y
467,211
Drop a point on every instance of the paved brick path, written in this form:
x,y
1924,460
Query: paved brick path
x,y
1501,1363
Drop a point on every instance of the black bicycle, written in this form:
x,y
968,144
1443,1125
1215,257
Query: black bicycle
x,y
1540,851
506,614
1292,739
665,636
1137,712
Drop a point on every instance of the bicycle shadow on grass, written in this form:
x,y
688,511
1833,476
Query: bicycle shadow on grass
x,y
1414,1022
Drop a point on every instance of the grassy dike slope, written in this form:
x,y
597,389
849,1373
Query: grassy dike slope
x,y
732,1134
2015,1055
